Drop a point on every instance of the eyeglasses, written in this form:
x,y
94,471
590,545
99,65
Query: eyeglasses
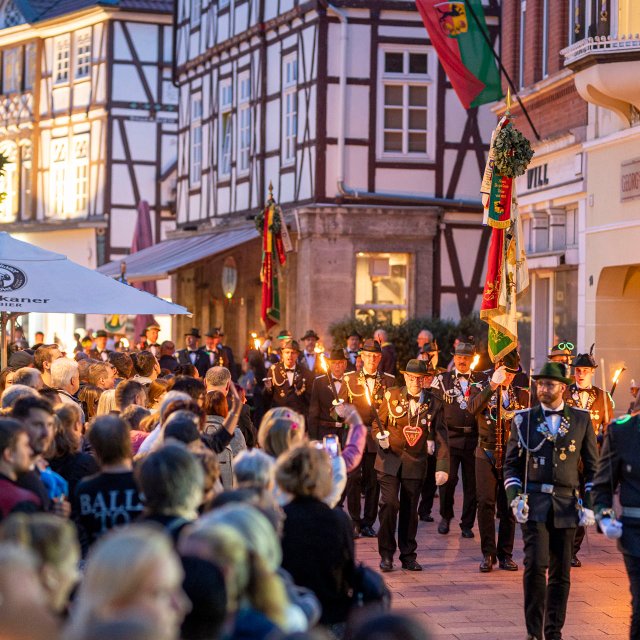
x,y
548,384
566,345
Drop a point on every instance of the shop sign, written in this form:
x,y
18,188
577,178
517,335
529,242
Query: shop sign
x,y
630,180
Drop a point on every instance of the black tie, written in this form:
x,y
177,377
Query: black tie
x,y
549,412
370,376
287,370
410,397
463,375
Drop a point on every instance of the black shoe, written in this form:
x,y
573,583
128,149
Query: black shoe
x,y
367,532
412,565
356,530
507,564
426,518
486,566
575,562
467,533
386,565
443,527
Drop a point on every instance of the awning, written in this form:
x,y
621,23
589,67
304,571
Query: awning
x,y
161,259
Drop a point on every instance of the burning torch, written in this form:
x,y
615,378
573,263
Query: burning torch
x,y
325,368
616,377
373,407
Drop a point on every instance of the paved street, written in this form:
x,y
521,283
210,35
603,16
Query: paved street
x,y
457,602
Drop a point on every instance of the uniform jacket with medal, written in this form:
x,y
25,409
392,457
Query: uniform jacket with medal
x,y
409,432
201,360
483,406
553,480
354,383
317,364
595,405
323,420
619,465
460,423
295,396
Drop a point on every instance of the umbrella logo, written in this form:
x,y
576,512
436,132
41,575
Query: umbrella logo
x,y
11,278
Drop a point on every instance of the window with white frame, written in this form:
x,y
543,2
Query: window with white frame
x,y
25,179
407,105
290,108
81,172
195,165
244,121
523,27
30,60
226,127
572,227
223,3
9,184
11,70
196,12
545,38
62,57
83,54
58,176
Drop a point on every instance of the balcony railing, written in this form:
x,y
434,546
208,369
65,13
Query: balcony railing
x,y
601,45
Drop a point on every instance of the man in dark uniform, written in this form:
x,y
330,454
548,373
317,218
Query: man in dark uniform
x,y
431,353
288,383
309,358
409,436
619,466
219,355
191,354
365,391
583,395
561,352
455,389
100,351
354,339
494,407
542,482
151,334
323,420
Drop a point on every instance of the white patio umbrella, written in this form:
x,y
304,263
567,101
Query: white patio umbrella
x,y
34,279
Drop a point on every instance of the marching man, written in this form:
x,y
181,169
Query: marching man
x,y
542,483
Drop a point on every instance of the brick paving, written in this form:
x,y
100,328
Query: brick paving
x,y
456,602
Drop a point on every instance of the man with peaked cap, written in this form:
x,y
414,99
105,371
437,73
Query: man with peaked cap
x,y
192,354
494,408
365,390
561,352
584,395
219,355
288,383
430,353
309,358
455,388
151,334
354,340
542,482
429,487
407,417
323,420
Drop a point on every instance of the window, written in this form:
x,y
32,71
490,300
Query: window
x,y
58,176
196,11
195,173
572,227
25,180
545,38
405,113
244,118
290,111
83,54
30,60
577,20
81,172
523,16
61,61
11,70
381,286
226,127
9,184
12,15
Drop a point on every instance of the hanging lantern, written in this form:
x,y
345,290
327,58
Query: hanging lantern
x,y
229,277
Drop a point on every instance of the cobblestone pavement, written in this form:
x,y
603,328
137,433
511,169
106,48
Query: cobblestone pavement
x,y
456,602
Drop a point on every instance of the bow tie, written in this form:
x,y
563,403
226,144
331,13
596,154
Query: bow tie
x,y
549,412
581,389
354,352
410,397
370,375
463,375
289,370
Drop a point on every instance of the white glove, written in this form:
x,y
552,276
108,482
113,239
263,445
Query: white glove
x,y
341,409
383,439
612,529
431,447
520,509
499,376
441,478
587,518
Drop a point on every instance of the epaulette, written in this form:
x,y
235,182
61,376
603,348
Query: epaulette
x,y
322,375
582,409
523,410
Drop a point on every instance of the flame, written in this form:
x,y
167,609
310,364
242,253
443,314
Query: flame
x,y
616,375
474,362
366,393
254,335
318,348
256,344
323,362
124,343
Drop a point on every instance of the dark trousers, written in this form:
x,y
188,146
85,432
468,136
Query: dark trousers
x,y
491,495
546,548
428,491
464,458
363,480
398,506
632,564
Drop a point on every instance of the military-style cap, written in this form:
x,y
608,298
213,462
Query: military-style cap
x,y
101,333
290,344
585,359
511,361
430,347
371,346
310,334
416,367
193,332
562,349
467,348
214,333
285,334
553,371
337,354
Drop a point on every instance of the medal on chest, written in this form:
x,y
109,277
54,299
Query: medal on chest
x,y
412,434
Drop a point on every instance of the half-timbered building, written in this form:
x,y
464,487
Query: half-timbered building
x,y
88,121
344,107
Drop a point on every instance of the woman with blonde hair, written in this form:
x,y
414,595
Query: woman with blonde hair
x,y
130,571
280,429
107,403
54,543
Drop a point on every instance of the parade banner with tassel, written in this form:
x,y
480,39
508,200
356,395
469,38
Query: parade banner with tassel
x,y
458,32
507,273
270,224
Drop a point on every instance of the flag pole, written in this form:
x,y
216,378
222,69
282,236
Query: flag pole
x,y
502,68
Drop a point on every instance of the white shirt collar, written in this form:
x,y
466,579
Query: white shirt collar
x,y
546,408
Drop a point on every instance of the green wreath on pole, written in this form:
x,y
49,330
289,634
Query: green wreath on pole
x,y
512,152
